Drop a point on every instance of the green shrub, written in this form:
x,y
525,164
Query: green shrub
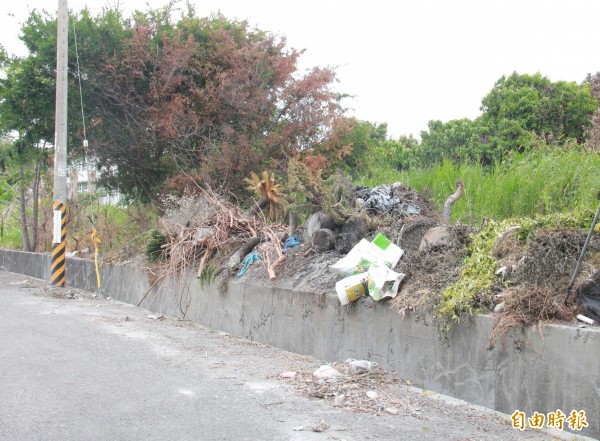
x,y
154,246
11,238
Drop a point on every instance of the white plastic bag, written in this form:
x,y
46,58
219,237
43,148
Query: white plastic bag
x,y
369,252
383,283
327,372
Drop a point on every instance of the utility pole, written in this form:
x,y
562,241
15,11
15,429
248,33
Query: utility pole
x,y
58,266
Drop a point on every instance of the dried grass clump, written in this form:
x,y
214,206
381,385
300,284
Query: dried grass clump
x,y
550,257
527,307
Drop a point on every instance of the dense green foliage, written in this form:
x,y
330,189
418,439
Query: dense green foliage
x,y
593,133
518,109
154,246
520,113
536,104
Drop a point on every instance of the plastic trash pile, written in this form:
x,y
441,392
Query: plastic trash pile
x,y
367,268
383,199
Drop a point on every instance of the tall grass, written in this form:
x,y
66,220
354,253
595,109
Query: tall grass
x,y
542,181
11,236
120,228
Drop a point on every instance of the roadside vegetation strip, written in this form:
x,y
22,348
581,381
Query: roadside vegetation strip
x,y
471,294
543,180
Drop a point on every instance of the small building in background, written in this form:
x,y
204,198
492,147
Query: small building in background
x,y
82,180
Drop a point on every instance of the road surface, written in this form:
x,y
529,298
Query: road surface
x,y
91,368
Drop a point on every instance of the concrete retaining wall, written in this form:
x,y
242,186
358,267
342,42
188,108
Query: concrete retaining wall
x,y
555,367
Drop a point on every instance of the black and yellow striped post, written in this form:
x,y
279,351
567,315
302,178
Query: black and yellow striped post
x,y
59,243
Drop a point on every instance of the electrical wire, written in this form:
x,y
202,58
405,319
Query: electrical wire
x,y
85,141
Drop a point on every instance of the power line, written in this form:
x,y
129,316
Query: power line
x,y
85,141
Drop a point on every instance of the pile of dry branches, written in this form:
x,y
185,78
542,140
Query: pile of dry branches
x,y
219,230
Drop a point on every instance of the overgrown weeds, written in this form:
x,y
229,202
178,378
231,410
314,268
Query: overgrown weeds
x,y
472,293
538,182
120,228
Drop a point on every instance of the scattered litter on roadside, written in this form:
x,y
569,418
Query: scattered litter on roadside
x,y
321,427
157,317
290,242
22,283
338,401
368,267
585,319
372,395
384,199
353,390
382,282
365,253
287,374
327,372
247,261
298,429
499,307
351,288
361,366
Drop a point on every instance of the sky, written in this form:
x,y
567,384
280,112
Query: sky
x,y
403,62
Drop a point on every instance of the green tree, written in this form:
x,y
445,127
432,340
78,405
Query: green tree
x,y
535,104
26,96
356,145
518,109
92,41
457,141
594,132
170,100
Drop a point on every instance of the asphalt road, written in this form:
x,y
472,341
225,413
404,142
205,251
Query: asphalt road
x,y
91,368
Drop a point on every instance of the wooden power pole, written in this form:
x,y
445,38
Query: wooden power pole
x,y
58,266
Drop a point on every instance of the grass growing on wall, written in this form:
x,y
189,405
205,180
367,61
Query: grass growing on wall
x,y
466,297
